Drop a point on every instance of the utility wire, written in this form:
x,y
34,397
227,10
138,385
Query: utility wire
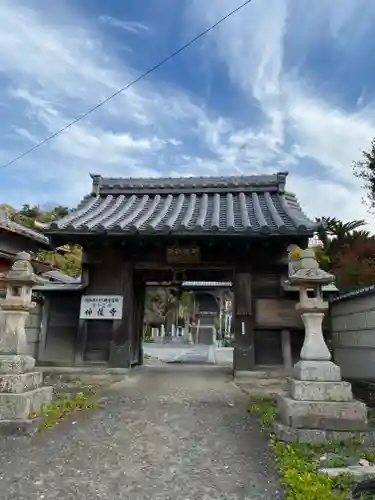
x,y
133,82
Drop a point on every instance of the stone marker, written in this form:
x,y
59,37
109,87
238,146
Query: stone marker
x,y
318,405
21,393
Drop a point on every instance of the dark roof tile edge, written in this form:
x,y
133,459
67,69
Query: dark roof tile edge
x,y
25,231
355,294
276,180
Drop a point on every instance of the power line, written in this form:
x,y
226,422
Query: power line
x,y
133,82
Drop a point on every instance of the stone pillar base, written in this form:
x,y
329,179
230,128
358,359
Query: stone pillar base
x,y
21,394
16,363
15,406
319,406
326,415
20,428
315,436
322,371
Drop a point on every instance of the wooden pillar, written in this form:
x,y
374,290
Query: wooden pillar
x,y
120,352
139,309
243,355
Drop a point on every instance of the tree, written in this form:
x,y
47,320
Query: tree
x,y
168,306
350,252
70,261
28,215
355,266
365,170
336,235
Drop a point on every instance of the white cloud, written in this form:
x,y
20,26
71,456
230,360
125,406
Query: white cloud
x,y
60,71
300,125
57,72
329,135
322,198
57,67
133,27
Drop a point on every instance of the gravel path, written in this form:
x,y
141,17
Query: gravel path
x,y
165,432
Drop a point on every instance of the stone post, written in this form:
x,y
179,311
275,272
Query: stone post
x,y
21,391
188,339
286,350
318,406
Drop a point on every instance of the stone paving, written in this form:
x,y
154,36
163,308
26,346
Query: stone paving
x,y
179,352
165,432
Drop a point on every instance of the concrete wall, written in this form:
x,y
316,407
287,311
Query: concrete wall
x,y
353,336
33,325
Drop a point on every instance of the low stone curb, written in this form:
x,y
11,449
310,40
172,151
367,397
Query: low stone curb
x,y
20,428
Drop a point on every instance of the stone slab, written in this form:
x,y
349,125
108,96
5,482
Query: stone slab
x,y
306,390
19,363
360,472
327,415
92,370
21,427
324,371
263,374
315,436
21,382
22,405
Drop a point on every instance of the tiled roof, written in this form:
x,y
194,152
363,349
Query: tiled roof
x,y
56,275
59,287
354,294
9,225
201,205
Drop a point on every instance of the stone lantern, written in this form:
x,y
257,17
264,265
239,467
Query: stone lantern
x,y
310,278
17,305
21,391
318,405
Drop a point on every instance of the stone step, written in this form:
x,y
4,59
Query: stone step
x,y
323,371
16,363
304,390
328,415
272,373
20,427
22,405
22,382
315,436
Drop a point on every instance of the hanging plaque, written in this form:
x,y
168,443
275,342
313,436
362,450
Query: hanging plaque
x,y
183,255
101,307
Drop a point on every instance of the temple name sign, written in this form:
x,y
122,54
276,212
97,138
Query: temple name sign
x,y
101,307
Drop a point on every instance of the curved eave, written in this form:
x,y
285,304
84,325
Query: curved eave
x,y
40,240
262,233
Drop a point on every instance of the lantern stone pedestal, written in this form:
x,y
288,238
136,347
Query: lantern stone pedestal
x,y
21,391
318,406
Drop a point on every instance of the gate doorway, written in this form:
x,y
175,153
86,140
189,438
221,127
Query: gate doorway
x,y
135,232
185,323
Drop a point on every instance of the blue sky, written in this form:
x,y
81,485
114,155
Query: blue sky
x,y
283,85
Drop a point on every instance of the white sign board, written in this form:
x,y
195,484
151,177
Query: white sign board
x,y
101,307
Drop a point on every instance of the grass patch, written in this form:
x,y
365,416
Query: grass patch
x,y
55,411
298,463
